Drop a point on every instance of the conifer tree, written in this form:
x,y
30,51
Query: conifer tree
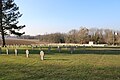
x,y
9,15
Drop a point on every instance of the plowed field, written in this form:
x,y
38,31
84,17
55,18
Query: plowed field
x,y
19,42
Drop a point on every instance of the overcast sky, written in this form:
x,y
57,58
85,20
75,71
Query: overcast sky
x,y
50,16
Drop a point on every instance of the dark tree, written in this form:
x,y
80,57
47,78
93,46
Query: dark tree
x,y
9,15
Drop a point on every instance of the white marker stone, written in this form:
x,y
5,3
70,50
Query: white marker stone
x,y
42,55
71,49
49,48
15,52
27,53
59,49
7,52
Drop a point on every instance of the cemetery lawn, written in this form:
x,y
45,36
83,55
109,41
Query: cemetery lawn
x,y
60,67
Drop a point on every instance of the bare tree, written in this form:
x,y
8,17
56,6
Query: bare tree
x,y
72,36
83,35
108,36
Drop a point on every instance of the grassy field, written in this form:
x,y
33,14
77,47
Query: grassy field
x,y
84,63
60,67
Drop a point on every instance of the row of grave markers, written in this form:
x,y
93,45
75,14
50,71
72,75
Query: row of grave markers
x,y
72,49
59,49
42,54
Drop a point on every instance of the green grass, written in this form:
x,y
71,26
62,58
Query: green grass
x,y
60,67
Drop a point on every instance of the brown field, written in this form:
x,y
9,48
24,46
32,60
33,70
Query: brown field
x,y
19,42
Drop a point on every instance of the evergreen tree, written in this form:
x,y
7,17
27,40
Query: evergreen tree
x,y
9,15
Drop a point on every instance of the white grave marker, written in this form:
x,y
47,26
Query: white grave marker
x,y
27,53
15,52
49,48
71,49
7,52
59,48
42,55
32,47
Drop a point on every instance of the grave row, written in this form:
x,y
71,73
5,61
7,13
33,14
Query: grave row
x,y
58,48
27,53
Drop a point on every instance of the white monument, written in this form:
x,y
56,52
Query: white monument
x,y
42,55
27,53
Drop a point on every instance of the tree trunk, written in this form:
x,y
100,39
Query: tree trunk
x,y
3,37
1,27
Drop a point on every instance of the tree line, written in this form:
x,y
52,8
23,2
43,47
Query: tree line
x,y
83,36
